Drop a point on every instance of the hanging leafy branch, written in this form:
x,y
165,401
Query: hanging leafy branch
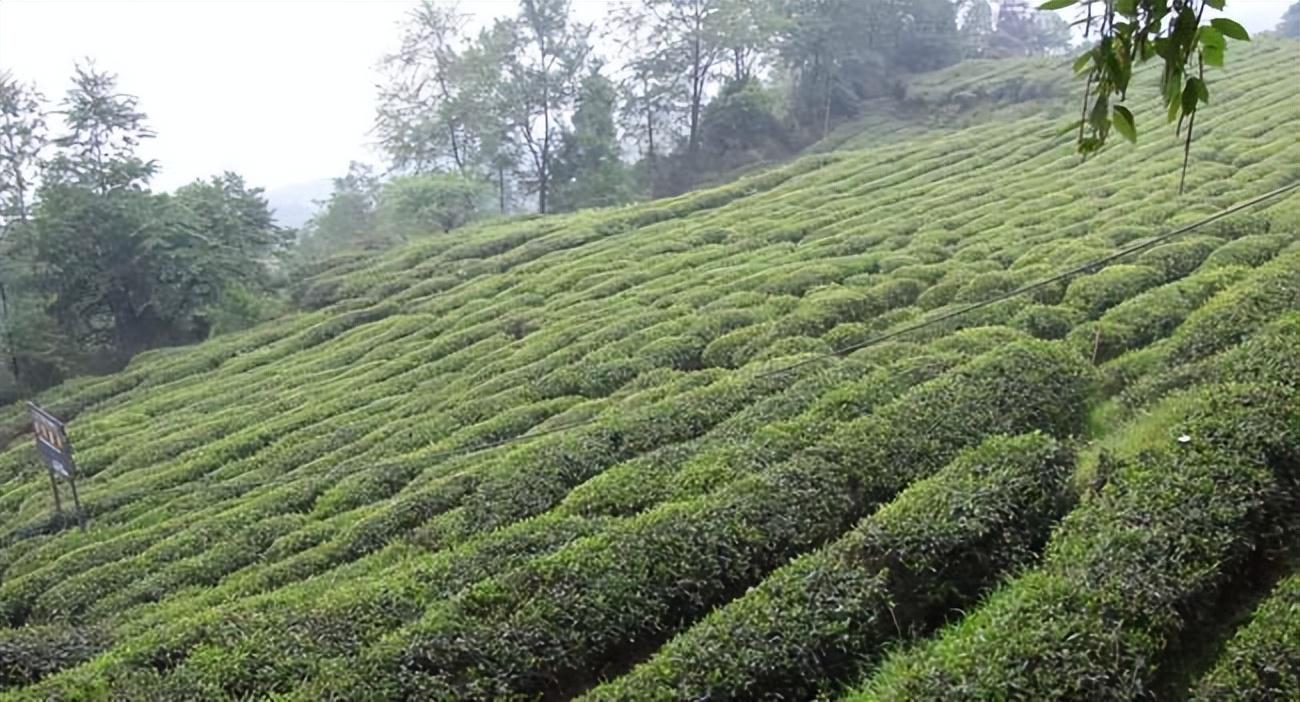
x,y
1132,32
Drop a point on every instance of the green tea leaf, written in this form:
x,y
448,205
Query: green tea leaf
x,y
1057,4
1202,90
1082,62
1213,55
1230,29
1211,37
1190,96
1123,121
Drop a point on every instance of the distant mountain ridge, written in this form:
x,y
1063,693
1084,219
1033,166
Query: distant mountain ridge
x,y
294,204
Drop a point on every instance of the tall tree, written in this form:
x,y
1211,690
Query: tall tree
x,y
745,29
23,138
423,120
124,269
841,52
977,27
1289,25
589,170
685,45
95,223
446,103
1023,32
234,237
482,68
103,129
346,218
550,51
647,92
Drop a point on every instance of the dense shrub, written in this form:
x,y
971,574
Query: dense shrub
x,y
1177,259
1151,315
319,506
814,621
1094,294
1047,321
1253,250
1123,569
484,644
1267,356
1260,661
1232,315
31,653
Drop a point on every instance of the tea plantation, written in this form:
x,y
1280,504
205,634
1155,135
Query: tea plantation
x,y
622,454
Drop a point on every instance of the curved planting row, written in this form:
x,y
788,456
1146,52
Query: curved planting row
x,y
552,455
573,613
930,551
1124,573
1260,661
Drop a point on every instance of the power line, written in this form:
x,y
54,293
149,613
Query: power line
x,y
1091,266
1084,268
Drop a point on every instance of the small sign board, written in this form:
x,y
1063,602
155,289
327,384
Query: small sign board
x,y
52,442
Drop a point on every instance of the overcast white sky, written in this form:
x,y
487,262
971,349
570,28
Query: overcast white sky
x,y
281,91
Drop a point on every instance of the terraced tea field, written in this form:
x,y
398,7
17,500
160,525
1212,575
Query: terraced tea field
x,y
618,455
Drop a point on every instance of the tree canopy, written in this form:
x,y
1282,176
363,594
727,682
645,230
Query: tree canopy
x,y
94,266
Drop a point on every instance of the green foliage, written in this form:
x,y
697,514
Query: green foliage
x,y
1018,31
1094,294
1131,33
1259,662
413,205
30,653
589,170
1124,569
814,621
740,126
346,219
542,457
96,267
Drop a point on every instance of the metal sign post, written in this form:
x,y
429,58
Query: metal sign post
x,y
53,445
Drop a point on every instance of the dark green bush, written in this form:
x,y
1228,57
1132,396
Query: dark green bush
x,y
1177,259
1122,570
815,621
1260,662
1047,321
667,566
892,295
30,653
1253,250
1239,310
1267,356
1151,315
1096,293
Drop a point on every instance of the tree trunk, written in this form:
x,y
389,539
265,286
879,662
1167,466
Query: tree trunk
x,y
826,114
544,169
8,334
501,187
129,336
693,143
650,139
455,150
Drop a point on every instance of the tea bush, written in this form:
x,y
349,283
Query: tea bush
x,y
747,441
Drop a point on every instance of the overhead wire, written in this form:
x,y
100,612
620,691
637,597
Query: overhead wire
x,y
1089,267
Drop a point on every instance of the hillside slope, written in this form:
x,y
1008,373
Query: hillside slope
x,y
1082,492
